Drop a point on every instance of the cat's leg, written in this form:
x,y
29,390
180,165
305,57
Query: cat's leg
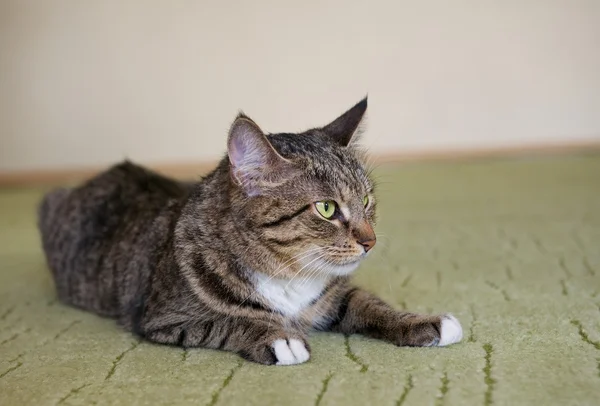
x,y
363,313
254,340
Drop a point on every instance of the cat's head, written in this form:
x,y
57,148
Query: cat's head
x,y
307,197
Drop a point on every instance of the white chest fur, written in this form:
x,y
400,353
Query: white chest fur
x,y
289,297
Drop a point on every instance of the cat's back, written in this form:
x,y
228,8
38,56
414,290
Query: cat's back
x,y
90,233
110,200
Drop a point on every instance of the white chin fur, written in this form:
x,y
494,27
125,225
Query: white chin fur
x,y
289,297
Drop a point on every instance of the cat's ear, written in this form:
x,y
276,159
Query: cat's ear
x,y
255,165
345,127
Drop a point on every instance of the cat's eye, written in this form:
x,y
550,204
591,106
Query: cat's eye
x,y
366,200
326,208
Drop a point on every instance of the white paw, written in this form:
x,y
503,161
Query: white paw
x,y
451,331
289,354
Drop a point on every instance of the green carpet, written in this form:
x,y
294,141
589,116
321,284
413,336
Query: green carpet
x,y
511,247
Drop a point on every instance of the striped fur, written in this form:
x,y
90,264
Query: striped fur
x,y
239,261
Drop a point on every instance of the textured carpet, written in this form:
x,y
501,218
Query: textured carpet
x,y
512,248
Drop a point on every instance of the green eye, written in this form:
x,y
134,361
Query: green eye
x,y
366,200
326,208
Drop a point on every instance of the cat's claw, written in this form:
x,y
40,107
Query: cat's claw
x,y
451,331
290,352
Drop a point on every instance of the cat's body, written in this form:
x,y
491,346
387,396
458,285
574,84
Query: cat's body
x,y
243,260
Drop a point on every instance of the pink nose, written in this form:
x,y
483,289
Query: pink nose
x,y
365,235
368,244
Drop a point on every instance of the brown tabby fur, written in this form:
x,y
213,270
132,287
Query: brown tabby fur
x,y
176,263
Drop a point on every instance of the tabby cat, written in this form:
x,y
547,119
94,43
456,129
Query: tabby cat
x,y
249,259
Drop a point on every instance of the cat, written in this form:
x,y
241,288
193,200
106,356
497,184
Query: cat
x,y
250,259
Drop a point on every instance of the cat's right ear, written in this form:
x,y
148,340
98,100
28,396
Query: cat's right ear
x,y
344,129
254,163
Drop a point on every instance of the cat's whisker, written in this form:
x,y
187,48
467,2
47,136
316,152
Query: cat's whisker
x,y
290,262
323,268
308,254
389,280
294,259
314,274
286,265
301,269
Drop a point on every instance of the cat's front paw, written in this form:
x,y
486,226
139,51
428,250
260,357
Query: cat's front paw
x,y
431,331
450,331
278,350
290,352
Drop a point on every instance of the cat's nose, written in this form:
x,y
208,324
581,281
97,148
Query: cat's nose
x,y
365,236
368,244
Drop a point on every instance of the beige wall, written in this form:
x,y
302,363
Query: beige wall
x,y
85,83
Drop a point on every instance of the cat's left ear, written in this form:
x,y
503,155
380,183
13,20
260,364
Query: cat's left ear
x,y
346,126
255,165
